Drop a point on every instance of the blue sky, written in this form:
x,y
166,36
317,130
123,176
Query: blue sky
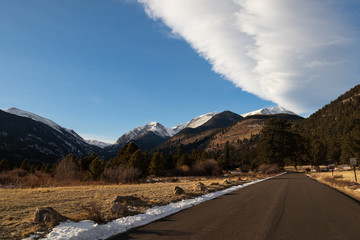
x,y
105,67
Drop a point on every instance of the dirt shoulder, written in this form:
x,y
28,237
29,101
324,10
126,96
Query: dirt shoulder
x,y
343,181
17,206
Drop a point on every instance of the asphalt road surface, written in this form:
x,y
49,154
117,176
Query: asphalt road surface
x,y
291,206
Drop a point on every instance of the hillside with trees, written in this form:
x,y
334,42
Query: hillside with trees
x,y
334,131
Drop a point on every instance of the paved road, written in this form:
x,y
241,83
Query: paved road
x,y
291,206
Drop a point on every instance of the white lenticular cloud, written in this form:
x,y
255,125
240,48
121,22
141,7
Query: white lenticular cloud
x,y
299,54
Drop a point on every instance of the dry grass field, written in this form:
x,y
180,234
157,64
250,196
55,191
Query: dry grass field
x,y
17,206
343,181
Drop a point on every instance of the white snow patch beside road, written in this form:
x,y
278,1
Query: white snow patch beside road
x,y
89,230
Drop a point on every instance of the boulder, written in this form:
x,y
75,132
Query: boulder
x,y
119,209
225,182
178,191
48,215
133,201
200,187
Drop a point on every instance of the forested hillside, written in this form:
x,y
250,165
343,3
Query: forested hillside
x,y
334,130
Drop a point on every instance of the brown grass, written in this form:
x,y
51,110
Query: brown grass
x,y
343,181
18,205
239,131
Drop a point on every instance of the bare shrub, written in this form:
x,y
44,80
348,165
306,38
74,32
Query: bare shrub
x,y
5,178
263,167
245,168
122,175
208,167
93,212
273,168
338,176
180,171
130,175
67,170
269,168
19,172
111,175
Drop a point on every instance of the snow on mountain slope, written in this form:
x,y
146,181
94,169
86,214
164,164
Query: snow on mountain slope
x,y
269,111
138,132
38,118
194,123
200,120
163,131
98,143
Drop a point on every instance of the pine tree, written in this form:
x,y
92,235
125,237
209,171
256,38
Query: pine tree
x,y
184,160
25,165
180,151
4,166
318,152
96,168
224,159
169,162
157,164
85,163
122,156
132,148
346,151
138,160
355,144
277,142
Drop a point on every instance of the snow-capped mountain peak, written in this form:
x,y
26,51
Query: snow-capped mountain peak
x,y
194,123
163,131
22,113
200,120
33,116
140,131
98,143
269,111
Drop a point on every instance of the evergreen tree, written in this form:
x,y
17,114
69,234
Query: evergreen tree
x,y
277,142
96,168
139,160
318,152
334,151
180,151
184,160
346,150
4,166
85,163
157,164
25,165
123,156
170,161
355,144
131,148
224,159
45,168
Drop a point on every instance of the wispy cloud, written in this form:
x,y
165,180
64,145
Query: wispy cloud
x,y
299,54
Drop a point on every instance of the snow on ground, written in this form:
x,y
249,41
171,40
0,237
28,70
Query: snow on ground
x,y
86,230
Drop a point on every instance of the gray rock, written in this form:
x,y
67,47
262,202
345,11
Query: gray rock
x,y
119,209
200,187
48,215
178,191
225,182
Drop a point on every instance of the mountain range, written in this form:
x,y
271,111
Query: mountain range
x,y
26,135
